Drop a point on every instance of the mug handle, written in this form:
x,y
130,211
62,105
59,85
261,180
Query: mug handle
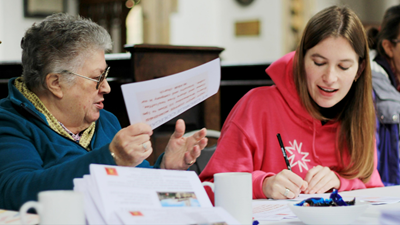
x,y
211,185
23,211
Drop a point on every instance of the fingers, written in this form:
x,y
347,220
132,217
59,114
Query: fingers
x,y
285,184
200,143
138,129
132,145
315,178
288,193
320,180
293,182
200,134
182,151
180,128
146,146
198,138
304,186
138,151
128,142
310,174
191,156
132,157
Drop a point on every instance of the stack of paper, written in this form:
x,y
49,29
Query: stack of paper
x,y
126,195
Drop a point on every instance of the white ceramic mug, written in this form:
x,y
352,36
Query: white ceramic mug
x,y
56,207
233,192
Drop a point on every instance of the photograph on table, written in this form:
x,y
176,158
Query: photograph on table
x,y
178,199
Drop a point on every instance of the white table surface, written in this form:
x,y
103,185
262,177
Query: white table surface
x,y
371,214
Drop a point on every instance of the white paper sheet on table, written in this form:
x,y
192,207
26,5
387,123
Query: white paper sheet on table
x,y
272,210
209,215
275,210
13,217
115,192
383,200
157,101
390,216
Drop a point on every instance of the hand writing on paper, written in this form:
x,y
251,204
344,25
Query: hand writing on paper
x,y
321,179
181,152
283,185
131,145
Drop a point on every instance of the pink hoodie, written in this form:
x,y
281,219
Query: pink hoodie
x,y
248,141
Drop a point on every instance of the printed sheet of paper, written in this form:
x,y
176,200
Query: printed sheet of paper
x,y
272,210
157,101
374,200
348,196
123,188
13,217
214,215
275,210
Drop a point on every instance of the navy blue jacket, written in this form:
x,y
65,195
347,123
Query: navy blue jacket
x,y
387,104
33,157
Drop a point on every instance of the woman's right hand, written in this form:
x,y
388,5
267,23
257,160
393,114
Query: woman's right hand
x,y
283,185
131,145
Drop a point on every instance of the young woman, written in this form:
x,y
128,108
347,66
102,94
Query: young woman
x,y
321,105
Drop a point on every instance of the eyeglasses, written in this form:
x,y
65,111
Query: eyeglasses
x,y
395,41
101,78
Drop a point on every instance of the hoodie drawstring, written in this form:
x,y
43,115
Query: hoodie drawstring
x,y
313,144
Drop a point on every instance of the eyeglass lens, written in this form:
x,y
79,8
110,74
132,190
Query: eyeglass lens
x,y
102,77
395,40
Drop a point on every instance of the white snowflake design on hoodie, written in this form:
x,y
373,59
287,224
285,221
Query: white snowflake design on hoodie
x,y
295,149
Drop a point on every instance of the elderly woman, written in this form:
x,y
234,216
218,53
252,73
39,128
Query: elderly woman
x,y
53,125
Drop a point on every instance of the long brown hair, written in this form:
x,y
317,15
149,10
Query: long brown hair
x,y
357,117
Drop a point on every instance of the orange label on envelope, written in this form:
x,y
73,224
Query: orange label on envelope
x,y
111,171
136,213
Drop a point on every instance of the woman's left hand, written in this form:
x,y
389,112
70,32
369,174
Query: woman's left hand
x,y
181,152
320,180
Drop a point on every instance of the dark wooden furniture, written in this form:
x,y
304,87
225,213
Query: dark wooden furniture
x,y
111,14
155,61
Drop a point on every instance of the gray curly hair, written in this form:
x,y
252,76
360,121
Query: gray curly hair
x,y
59,42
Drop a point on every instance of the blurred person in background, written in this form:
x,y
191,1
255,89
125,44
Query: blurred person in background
x,y
385,67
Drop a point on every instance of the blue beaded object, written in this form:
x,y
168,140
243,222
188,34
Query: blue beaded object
x,y
338,199
334,200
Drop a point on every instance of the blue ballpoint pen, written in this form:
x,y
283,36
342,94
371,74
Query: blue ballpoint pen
x,y
284,152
